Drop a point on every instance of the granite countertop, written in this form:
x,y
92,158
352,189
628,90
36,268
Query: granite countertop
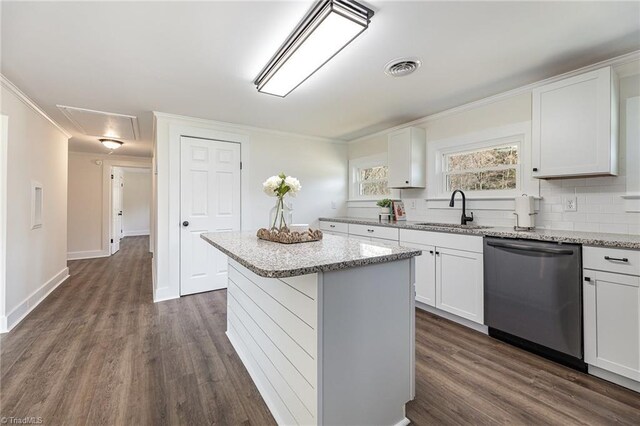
x,y
597,239
275,260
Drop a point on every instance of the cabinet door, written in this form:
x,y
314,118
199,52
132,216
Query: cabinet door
x,y
572,128
385,241
460,283
612,322
425,273
399,158
340,234
359,237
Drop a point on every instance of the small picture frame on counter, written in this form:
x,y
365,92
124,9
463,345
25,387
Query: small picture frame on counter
x,y
399,212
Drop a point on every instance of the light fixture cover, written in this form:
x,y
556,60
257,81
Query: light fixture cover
x,y
325,31
111,143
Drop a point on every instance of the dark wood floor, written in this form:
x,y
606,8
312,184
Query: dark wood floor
x,y
99,351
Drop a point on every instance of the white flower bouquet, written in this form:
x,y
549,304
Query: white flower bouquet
x,y
279,186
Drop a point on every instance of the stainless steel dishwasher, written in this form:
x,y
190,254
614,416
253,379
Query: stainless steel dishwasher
x,y
533,297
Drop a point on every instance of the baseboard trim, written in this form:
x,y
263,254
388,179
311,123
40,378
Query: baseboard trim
x,y
451,317
140,233
23,309
614,378
162,294
89,254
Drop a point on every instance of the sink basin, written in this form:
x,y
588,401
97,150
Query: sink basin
x,y
451,225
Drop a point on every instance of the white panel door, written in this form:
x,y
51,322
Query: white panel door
x,y
117,185
612,322
425,273
210,202
460,283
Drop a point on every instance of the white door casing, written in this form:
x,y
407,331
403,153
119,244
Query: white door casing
x,y
209,202
117,184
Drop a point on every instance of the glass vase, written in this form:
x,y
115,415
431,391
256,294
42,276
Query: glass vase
x,y
280,216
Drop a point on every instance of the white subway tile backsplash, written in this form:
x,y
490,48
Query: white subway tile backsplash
x,y
587,227
614,228
600,208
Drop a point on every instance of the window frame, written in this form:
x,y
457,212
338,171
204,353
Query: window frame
x,y
354,183
516,140
495,136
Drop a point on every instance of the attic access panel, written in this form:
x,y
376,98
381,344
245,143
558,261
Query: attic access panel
x,y
100,123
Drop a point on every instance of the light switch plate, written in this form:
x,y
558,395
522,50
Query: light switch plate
x,y
570,204
334,205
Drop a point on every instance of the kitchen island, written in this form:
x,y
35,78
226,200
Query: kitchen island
x,y
325,329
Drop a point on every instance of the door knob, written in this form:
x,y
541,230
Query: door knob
x,y
185,223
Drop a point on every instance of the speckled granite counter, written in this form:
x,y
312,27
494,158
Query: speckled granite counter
x,y
573,237
274,260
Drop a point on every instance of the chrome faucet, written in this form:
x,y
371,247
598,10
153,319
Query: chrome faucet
x,y
464,219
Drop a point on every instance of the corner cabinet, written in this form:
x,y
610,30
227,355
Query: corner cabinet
x,y
611,290
407,158
575,126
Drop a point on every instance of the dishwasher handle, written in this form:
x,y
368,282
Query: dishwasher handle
x,y
524,247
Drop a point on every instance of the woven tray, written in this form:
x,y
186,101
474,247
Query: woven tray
x,y
284,236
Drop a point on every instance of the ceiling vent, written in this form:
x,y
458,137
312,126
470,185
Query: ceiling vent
x,y
401,67
103,124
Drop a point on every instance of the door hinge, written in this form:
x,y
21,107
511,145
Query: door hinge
x,y
111,176
112,241
241,165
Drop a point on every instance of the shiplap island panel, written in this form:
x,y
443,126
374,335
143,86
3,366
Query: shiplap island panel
x,y
325,329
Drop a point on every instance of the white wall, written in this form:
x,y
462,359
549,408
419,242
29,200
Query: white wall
x,y
36,260
136,202
320,164
601,207
89,201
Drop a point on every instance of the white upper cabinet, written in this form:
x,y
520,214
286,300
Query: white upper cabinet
x,y
407,158
575,126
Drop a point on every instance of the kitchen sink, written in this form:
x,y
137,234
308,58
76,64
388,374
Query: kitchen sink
x,y
452,225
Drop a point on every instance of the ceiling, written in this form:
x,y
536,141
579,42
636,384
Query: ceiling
x,y
199,59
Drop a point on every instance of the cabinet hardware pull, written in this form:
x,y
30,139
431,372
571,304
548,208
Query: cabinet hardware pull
x,y
430,251
369,230
624,259
535,169
332,226
437,253
406,181
587,279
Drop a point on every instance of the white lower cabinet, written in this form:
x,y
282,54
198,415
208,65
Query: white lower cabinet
x,y
612,322
425,273
459,283
448,275
611,291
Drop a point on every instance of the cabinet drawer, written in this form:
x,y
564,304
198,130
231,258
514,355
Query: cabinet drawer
x,y
334,227
442,239
374,231
612,260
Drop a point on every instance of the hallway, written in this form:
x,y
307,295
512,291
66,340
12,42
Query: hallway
x,y
99,351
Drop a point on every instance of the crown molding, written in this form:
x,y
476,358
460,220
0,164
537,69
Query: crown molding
x,y
614,62
242,127
30,103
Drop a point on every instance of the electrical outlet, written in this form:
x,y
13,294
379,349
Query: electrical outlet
x,y
412,204
334,205
570,204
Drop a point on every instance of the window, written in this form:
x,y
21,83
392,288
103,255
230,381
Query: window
x,y
494,168
493,163
369,178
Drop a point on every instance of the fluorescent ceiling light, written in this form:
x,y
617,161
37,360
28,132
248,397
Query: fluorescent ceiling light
x,y
111,143
325,31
